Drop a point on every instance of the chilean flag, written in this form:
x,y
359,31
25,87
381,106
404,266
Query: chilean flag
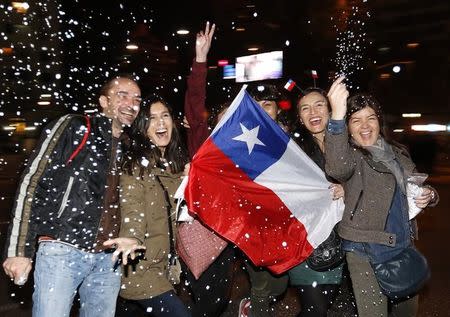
x,y
254,186
314,74
289,85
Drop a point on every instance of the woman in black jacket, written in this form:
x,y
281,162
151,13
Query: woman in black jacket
x,y
316,290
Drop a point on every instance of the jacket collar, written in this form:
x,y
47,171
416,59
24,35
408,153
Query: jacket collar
x,y
103,126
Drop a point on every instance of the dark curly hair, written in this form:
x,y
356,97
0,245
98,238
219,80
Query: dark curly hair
x,y
362,100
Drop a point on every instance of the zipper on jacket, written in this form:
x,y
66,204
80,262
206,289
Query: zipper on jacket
x,y
65,197
357,204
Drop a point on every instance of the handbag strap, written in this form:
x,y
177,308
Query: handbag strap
x,y
169,216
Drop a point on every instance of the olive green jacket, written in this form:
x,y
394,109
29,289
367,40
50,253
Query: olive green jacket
x,y
144,216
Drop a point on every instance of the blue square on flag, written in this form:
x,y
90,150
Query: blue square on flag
x,y
250,138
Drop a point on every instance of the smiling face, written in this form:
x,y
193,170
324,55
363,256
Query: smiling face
x,y
121,102
160,126
313,112
364,126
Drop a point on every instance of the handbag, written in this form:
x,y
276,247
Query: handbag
x,y
328,255
174,270
198,246
402,275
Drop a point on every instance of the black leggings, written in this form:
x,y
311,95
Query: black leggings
x,y
315,301
167,304
211,292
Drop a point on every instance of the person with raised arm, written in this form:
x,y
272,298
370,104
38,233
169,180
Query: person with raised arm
x,y
376,227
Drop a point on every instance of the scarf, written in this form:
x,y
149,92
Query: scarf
x,y
382,152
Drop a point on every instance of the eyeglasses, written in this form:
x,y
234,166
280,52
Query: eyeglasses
x,y
125,96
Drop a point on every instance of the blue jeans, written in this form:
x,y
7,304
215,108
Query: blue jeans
x,y
61,269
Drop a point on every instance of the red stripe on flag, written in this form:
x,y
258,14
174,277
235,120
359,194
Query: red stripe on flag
x,y
250,215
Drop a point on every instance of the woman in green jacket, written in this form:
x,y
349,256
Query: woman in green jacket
x,y
152,172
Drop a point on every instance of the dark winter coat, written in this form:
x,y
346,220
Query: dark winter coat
x,y
58,199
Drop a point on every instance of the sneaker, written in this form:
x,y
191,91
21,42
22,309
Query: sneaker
x,y
244,307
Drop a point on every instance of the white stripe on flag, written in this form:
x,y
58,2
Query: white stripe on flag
x,y
303,188
229,112
288,84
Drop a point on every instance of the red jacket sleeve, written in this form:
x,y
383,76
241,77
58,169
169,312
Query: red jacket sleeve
x,y
195,109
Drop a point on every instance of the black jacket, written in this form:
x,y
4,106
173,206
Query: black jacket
x,y
59,199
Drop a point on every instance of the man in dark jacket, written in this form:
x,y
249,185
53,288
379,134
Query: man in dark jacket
x,y
67,206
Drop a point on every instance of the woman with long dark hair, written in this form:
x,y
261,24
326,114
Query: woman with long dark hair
x,y
156,138
152,171
316,290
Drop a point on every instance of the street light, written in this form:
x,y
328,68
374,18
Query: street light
x,y
396,69
411,115
132,47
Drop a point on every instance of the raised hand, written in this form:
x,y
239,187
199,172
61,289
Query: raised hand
x,y
126,246
203,43
337,95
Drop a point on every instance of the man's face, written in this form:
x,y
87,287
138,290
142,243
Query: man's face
x,y
122,102
270,107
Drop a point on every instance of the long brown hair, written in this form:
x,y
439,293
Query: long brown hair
x,y
143,150
305,139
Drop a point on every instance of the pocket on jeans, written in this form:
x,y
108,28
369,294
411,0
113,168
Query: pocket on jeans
x,y
54,249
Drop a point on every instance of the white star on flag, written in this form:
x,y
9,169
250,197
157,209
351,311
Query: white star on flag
x,y
250,137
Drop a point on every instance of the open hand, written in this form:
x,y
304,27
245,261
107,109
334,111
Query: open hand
x,y
203,43
124,246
